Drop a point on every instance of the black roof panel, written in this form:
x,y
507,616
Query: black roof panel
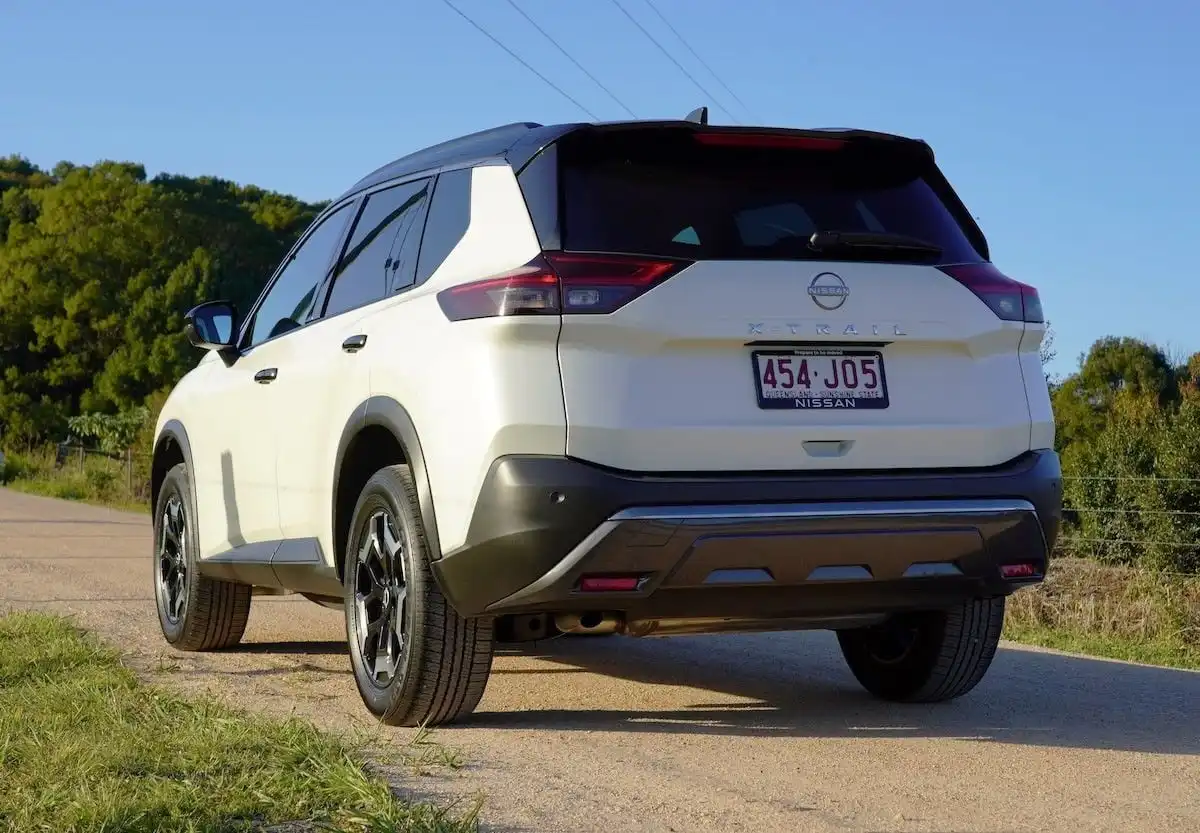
x,y
519,142
491,143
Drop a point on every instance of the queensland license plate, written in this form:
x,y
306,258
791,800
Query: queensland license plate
x,y
820,377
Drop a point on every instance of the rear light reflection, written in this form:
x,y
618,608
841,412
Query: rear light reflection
x,y
558,283
1010,300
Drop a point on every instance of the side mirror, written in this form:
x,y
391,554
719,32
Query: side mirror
x,y
210,326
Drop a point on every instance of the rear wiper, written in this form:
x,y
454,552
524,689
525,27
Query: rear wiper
x,y
880,241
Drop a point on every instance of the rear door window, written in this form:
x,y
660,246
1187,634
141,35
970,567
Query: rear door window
x,y
662,193
449,217
381,256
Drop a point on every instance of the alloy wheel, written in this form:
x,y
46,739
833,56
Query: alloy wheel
x,y
172,559
893,641
381,599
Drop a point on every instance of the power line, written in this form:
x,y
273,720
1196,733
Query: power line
x,y
520,60
696,55
570,58
671,57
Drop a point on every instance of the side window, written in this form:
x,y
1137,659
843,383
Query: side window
x,y
449,216
381,256
688,236
290,298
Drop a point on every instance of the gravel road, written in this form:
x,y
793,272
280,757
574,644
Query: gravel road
x,y
688,734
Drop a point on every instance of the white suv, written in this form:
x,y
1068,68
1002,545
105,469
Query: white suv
x,y
646,378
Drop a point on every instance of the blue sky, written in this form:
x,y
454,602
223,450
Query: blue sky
x,y
1069,128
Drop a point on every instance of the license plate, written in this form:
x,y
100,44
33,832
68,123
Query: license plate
x,y
820,377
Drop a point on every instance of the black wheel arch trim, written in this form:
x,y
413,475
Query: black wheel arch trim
x,y
385,412
173,430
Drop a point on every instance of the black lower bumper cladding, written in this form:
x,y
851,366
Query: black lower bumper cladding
x,y
765,545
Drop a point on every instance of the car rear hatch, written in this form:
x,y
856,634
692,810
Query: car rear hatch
x,y
741,300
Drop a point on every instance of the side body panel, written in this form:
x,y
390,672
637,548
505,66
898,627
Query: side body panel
x,y
475,390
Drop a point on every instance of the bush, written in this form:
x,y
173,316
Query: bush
x,y
1133,492
1121,612
100,480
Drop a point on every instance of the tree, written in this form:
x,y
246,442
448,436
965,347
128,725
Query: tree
x,y
98,264
1113,365
1046,351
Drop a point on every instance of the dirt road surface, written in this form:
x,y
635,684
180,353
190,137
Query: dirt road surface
x,y
688,734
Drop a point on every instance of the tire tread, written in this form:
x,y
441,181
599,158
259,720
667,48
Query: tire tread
x,y
953,661
217,611
455,657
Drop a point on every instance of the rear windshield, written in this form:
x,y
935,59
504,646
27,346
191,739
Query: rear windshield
x,y
662,193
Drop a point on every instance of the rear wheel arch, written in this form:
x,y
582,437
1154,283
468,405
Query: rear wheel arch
x,y
380,433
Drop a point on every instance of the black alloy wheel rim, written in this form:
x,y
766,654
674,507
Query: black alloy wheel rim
x,y
893,641
381,599
172,559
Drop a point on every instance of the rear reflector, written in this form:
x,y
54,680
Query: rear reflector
x,y
609,584
559,283
1019,570
1009,299
769,140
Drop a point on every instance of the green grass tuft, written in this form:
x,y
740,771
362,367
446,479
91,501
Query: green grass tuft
x,y
84,746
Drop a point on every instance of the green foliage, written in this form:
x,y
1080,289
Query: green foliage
x,y
98,265
1084,401
110,433
1129,433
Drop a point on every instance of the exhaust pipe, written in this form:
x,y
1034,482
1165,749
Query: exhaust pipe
x,y
592,621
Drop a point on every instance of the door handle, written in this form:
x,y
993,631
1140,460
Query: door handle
x,y
354,343
266,375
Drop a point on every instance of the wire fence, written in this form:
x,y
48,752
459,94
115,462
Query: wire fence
x,y
1108,533
126,473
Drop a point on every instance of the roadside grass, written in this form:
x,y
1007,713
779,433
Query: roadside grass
x,y
1115,612
84,746
99,480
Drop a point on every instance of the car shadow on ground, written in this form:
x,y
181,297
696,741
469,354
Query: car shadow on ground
x,y
795,684
311,648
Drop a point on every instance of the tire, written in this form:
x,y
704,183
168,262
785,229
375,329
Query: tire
x,y
196,613
435,663
926,657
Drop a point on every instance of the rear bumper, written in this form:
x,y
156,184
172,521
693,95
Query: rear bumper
x,y
817,546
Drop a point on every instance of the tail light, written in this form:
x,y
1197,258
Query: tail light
x,y
609,584
559,283
1016,571
1010,300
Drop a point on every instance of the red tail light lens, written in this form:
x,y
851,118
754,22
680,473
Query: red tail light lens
x,y
1010,300
1019,571
559,283
769,140
609,584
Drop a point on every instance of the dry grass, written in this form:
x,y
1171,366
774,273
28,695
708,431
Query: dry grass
x,y
1119,612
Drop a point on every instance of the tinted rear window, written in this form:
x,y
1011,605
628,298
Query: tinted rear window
x,y
661,193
